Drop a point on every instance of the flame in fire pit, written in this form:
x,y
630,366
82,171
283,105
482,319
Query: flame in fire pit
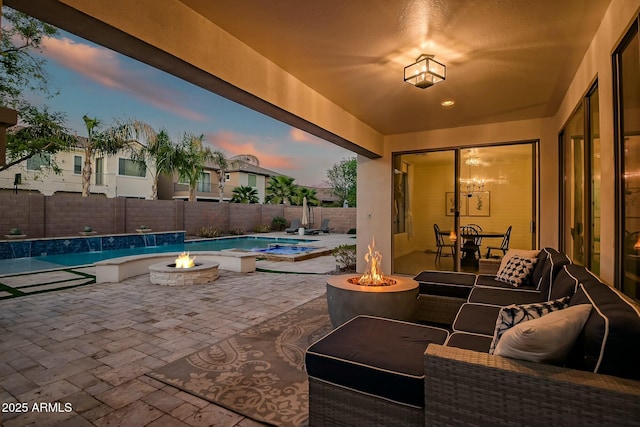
x,y
373,274
184,261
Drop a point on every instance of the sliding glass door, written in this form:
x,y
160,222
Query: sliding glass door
x,y
438,193
580,142
424,191
627,92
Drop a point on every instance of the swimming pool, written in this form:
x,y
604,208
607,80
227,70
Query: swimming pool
x,y
37,263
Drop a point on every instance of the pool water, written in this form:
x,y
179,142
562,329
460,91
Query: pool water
x,y
24,265
284,249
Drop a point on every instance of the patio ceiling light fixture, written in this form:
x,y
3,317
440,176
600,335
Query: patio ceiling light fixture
x,y
425,72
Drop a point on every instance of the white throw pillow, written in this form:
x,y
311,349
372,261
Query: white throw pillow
x,y
546,339
514,314
517,271
524,253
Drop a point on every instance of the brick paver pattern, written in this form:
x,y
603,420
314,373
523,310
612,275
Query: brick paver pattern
x,y
84,352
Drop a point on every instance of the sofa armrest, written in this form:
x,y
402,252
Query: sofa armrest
x,y
468,387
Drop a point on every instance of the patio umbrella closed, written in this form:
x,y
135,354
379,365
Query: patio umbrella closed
x,y
305,214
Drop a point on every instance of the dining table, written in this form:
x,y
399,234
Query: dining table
x,y
468,255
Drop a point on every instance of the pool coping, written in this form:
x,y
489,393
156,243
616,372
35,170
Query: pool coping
x,y
115,270
316,252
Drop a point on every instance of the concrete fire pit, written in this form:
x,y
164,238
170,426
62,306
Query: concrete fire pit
x,y
347,300
169,275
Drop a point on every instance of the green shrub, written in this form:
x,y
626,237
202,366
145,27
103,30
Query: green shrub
x,y
208,231
261,228
345,256
236,231
15,231
278,223
351,231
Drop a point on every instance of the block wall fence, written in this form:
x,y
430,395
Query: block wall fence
x,y
67,214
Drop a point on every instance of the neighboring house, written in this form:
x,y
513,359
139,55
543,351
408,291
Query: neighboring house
x,y
113,176
244,173
239,173
325,196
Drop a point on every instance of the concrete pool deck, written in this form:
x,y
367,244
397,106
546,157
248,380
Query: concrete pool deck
x,y
91,346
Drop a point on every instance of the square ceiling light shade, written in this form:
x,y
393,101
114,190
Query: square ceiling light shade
x,y
425,72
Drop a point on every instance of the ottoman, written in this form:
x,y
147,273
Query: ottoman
x,y
369,371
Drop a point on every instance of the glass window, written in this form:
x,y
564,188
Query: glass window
x,y
573,201
99,171
128,167
38,161
627,74
400,196
204,183
252,180
595,166
77,165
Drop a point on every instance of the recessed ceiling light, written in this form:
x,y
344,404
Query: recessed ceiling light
x,y
447,103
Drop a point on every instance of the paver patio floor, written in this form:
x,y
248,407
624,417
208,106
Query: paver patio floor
x,y
89,347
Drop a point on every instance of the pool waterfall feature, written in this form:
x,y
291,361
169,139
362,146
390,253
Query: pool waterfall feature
x,y
69,245
31,255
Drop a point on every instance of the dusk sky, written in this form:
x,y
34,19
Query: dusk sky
x,y
101,83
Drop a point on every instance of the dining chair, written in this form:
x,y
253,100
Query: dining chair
x,y
504,246
440,244
471,240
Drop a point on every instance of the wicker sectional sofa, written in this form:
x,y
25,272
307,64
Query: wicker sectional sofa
x,y
373,371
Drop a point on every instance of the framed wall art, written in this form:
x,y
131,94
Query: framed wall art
x,y
449,204
479,204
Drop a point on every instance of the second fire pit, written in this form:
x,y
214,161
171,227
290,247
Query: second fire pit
x,y
183,272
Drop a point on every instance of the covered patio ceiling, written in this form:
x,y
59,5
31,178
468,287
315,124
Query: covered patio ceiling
x,y
506,59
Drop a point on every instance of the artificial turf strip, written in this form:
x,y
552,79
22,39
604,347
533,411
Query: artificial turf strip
x,y
18,293
14,292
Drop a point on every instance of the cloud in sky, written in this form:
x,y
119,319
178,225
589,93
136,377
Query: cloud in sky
x,y
104,67
233,144
298,135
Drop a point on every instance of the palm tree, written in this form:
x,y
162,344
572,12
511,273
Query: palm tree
x,y
247,158
245,194
106,142
223,163
280,189
190,159
159,150
309,193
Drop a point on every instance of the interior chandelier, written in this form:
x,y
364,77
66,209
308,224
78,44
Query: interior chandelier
x,y
425,72
471,186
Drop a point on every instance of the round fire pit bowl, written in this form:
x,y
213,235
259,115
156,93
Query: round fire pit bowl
x,y
169,275
347,300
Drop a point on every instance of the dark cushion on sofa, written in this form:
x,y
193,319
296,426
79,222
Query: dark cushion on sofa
x,y
552,266
476,318
377,356
566,281
468,341
445,283
610,340
498,296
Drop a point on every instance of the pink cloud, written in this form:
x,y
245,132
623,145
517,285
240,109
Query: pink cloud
x,y
299,135
234,144
102,66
